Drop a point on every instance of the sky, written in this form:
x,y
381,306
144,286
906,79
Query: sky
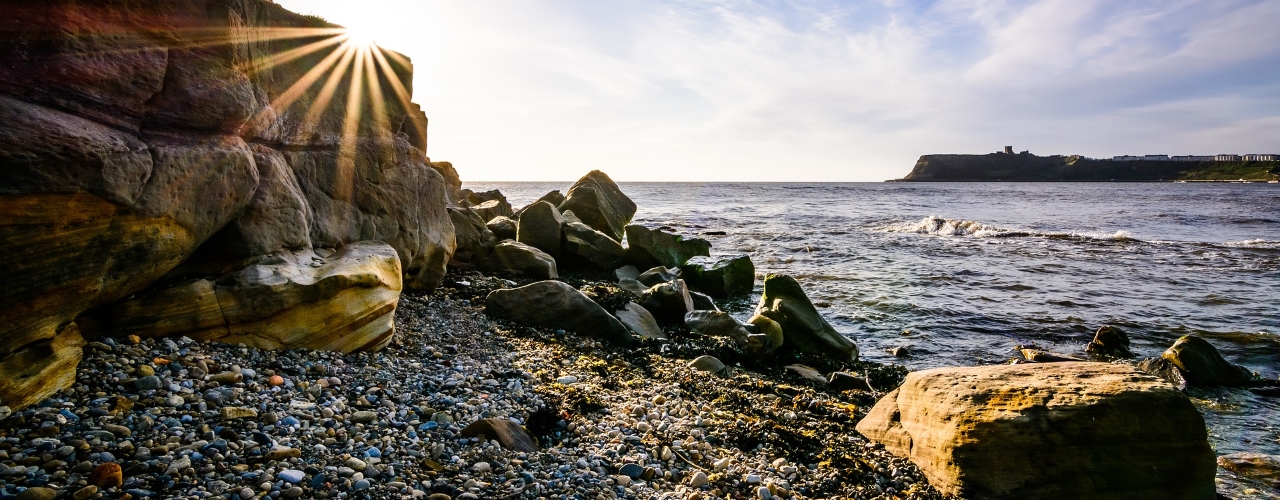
x,y
818,90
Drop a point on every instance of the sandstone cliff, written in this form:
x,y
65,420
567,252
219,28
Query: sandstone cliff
x,y
148,143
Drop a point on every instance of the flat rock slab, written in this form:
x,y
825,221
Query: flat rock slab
x,y
554,304
638,320
1058,430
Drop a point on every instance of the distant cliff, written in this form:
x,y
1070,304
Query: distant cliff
x,y
1029,167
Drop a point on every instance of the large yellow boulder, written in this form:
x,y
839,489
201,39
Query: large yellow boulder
x,y
1047,431
344,302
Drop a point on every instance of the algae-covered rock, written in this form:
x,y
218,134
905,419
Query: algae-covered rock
x,y
648,248
669,302
720,276
1203,365
803,328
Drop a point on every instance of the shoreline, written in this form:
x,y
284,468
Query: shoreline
x,y
389,424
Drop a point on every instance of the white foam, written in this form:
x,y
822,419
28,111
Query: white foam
x,y
941,226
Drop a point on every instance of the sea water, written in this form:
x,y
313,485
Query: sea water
x,y
961,273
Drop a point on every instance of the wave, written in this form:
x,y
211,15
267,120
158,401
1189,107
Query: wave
x,y
1255,244
940,226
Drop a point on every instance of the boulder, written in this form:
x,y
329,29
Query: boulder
x,y
632,287
640,321
803,328
487,210
1109,342
476,198
583,244
1060,430
703,302
554,304
504,228
771,330
540,227
648,248
519,258
627,272
669,302
553,197
720,276
474,240
510,435
657,275
1164,369
716,324
600,204
344,302
1202,365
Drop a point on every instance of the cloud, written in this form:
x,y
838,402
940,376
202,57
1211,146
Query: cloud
x,y
825,90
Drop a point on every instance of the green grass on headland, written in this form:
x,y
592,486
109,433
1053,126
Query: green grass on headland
x,y
1231,170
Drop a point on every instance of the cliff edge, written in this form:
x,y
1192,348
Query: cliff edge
x,y
1029,167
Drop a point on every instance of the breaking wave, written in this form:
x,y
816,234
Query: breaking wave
x,y
941,226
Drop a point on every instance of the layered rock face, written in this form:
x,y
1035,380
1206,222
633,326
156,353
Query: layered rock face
x,y
150,142
344,302
1057,430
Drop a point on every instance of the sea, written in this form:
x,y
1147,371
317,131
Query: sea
x,y
961,273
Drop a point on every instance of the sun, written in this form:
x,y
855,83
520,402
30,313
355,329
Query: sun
x,y
361,37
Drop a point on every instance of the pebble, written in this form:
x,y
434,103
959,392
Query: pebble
x,y
292,476
698,480
85,492
363,417
567,379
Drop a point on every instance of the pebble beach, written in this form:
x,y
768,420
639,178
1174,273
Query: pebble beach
x,y
175,418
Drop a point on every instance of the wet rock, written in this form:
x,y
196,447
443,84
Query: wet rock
x,y
510,435
1037,355
503,228
599,203
581,243
474,239
899,352
707,364
803,328
640,321
1203,365
647,248
1165,370
1057,430
516,257
720,276
1255,466
809,373
556,305
633,471
148,383
1109,341
669,302
716,324
540,227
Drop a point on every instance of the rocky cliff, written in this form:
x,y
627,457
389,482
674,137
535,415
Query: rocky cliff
x,y
1029,167
150,146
